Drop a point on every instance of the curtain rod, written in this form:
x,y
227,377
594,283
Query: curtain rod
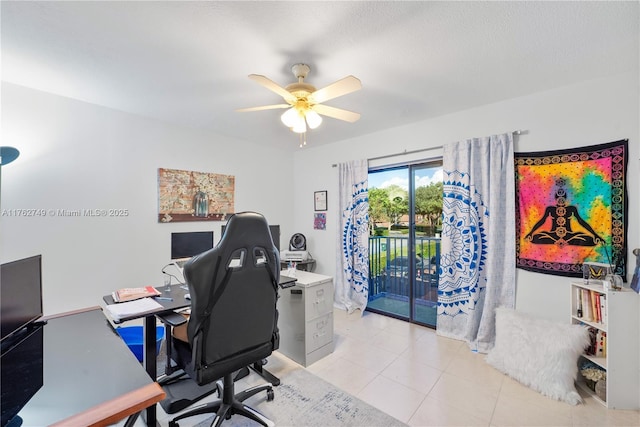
x,y
515,132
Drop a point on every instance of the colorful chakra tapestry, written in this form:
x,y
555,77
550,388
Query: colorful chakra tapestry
x,y
571,208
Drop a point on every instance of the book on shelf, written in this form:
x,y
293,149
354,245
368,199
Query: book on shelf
x,y
587,313
598,343
591,349
603,308
601,344
594,306
579,310
130,294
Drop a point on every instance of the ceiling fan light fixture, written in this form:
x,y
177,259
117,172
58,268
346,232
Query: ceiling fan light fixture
x,y
313,119
290,117
300,127
294,119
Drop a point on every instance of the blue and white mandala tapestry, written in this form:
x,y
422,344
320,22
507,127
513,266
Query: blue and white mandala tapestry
x,y
352,275
464,246
477,261
355,248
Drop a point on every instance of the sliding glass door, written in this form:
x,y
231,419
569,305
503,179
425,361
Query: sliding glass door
x,y
426,213
404,244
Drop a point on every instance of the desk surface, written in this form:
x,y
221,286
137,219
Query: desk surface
x,y
90,375
176,301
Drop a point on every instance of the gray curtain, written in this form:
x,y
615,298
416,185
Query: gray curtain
x,y
477,265
352,264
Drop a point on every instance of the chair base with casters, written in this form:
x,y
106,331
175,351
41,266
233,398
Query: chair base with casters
x,y
181,392
258,368
230,404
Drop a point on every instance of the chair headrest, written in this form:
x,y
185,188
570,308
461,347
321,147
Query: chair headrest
x,y
245,229
246,233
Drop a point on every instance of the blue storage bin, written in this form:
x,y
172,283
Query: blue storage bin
x,y
133,336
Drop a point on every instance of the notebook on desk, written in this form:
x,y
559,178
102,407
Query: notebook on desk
x,y
125,310
130,294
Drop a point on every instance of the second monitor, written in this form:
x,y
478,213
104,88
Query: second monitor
x,y
188,244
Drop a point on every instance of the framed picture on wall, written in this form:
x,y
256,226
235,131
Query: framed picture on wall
x,y
320,200
320,221
194,196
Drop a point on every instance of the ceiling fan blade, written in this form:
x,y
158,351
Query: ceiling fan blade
x,y
336,113
273,86
264,107
341,87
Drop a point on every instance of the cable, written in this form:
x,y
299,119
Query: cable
x,y
180,282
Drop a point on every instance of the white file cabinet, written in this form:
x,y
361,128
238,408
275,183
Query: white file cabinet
x,y
306,318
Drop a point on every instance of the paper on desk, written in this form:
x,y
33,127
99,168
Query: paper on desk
x,y
122,310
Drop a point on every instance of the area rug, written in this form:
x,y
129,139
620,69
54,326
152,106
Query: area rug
x,y
302,399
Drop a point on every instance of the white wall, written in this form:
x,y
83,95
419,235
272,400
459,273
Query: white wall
x,y
583,114
76,155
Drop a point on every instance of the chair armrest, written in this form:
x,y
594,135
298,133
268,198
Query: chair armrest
x,y
172,318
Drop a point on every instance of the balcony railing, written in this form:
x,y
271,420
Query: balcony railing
x,y
390,271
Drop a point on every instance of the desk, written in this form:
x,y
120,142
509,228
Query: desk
x,y
90,376
178,301
176,293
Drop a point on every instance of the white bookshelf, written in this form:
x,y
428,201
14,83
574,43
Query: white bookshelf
x,y
622,349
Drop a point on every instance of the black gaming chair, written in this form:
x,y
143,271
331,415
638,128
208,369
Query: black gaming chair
x,y
233,323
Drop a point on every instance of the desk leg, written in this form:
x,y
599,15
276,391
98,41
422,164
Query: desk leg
x,y
150,357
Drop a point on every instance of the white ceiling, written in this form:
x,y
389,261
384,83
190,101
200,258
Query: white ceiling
x,y
187,62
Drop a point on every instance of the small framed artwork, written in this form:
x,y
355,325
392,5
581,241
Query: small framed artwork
x,y
320,200
320,221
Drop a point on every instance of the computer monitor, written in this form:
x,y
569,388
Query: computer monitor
x,y
275,234
20,294
189,244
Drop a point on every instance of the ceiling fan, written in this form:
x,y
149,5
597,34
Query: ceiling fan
x,y
304,101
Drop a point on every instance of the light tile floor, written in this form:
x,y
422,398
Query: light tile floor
x,y
422,379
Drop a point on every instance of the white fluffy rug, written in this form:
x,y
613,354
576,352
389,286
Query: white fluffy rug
x,y
539,353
